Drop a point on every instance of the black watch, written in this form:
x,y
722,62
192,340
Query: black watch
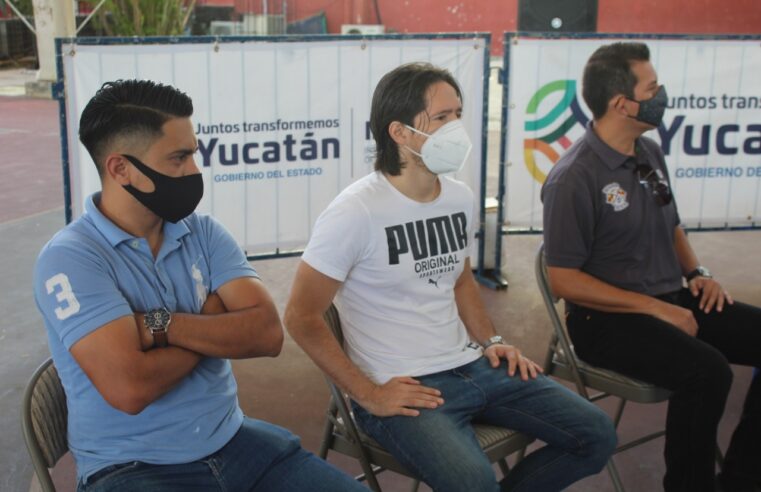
x,y
157,321
700,271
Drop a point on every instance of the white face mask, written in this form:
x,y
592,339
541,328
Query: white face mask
x,y
446,149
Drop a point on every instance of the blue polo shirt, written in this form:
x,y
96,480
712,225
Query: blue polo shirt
x,y
92,272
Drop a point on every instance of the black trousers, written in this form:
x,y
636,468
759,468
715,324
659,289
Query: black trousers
x,y
695,369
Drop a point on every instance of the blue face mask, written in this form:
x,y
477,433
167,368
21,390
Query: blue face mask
x,y
651,110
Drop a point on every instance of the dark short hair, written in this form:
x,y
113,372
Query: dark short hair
x,y
400,96
608,73
129,108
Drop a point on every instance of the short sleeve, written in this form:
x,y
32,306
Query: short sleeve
x,y
568,219
340,238
76,292
226,260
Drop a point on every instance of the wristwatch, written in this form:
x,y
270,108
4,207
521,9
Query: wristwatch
x,y
700,271
493,341
157,321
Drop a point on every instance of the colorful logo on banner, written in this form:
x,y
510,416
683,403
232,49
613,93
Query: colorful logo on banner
x,y
555,140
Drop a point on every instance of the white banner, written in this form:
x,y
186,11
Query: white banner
x,y
282,127
711,132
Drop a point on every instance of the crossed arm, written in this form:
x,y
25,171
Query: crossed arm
x,y
239,321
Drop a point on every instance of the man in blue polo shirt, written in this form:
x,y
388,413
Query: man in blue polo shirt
x,y
144,303
617,254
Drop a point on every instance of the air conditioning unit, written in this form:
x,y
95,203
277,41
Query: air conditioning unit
x,y
225,28
365,29
263,24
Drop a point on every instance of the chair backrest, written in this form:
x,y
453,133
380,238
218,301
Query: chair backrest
x,y
550,300
561,342
334,322
345,423
44,421
339,398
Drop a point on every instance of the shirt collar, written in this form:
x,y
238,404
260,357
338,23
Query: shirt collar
x,y
607,154
115,235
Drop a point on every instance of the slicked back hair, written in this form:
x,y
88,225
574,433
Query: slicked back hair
x,y
608,73
400,96
129,108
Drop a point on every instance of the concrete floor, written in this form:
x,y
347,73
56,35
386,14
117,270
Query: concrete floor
x,y
288,390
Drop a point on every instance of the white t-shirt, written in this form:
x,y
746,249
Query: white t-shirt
x,y
398,260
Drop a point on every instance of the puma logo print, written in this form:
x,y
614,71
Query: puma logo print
x,y
434,282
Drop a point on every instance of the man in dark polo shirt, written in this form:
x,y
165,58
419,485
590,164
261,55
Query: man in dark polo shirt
x,y
617,254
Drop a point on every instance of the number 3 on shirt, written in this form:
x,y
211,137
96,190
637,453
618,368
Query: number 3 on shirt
x,y
65,294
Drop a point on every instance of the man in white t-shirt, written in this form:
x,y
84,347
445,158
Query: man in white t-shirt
x,y
422,358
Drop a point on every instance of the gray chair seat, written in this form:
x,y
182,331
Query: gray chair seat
x,y
609,381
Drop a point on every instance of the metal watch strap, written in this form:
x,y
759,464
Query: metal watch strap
x,y
494,341
700,271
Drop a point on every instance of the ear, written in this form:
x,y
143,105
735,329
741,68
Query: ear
x,y
399,133
617,104
116,167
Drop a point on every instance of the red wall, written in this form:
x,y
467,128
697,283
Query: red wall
x,y
498,16
415,16
680,16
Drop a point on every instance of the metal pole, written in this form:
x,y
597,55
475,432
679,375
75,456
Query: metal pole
x,y
87,19
20,16
52,18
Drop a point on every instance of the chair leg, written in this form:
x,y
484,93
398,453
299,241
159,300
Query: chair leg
x,y
369,473
619,412
613,471
520,454
719,457
504,467
611,466
327,439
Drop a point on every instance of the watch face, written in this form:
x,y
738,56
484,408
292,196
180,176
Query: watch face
x,y
157,319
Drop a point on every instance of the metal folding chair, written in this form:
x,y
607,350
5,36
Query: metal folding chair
x,y
342,434
43,423
563,363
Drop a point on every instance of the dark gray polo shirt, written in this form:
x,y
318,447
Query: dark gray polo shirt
x,y
600,219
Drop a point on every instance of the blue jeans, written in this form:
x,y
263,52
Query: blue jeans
x,y
260,457
440,448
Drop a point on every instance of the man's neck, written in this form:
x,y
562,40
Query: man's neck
x,y
132,217
416,182
616,134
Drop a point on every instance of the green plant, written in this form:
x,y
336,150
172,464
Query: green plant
x,y
23,6
143,17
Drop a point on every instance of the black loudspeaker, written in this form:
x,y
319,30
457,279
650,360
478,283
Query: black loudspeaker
x,y
557,15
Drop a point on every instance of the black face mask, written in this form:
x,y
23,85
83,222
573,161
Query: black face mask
x,y
173,199
651,110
